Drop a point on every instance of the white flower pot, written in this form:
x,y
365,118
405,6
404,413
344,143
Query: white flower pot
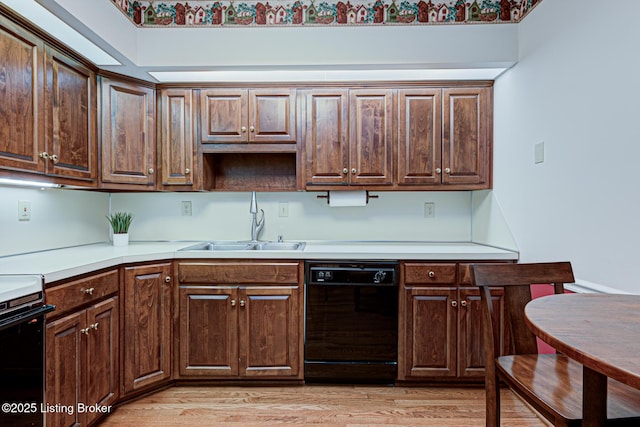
x,y
121,239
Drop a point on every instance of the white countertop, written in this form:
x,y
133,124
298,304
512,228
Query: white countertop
x,y
62,264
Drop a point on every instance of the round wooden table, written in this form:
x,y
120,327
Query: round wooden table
x,y
601,331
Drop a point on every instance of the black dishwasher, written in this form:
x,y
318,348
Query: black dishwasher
x,y
351,322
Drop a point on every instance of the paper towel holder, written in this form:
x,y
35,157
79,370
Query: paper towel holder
x,y
328,196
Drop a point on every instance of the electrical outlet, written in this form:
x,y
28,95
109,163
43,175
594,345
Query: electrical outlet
x,y
429,209
283,209
186,208
24,210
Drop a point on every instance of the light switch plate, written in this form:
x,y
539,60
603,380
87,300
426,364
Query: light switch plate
x,y
186,208
429,209
283,209
24,210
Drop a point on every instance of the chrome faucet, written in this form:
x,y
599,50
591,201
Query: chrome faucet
x,y
256,226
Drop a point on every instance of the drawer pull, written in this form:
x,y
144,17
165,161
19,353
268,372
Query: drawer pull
x,y
88,291
432,274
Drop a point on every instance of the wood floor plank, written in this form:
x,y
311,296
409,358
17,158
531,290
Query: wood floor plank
x,y
311,405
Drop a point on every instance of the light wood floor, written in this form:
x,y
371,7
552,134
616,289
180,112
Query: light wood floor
x,y
315,405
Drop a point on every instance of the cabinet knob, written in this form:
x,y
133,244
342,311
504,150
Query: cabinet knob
x,y
187,171
243,129
252,129
463,303
242,303
44,155
353,171
167,279
94,326
345,171
53,158
438,171
88,291
432,274
233,303
85,331
151,171
454,303
447,170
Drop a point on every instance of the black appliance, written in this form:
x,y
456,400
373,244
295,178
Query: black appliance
x,y
351,322
22,311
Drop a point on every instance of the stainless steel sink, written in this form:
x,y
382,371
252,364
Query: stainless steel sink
x,y
279,246
245,246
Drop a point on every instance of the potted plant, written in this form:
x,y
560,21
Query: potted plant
x,y
120,223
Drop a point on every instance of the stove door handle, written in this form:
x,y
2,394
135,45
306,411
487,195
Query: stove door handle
x,y
25,316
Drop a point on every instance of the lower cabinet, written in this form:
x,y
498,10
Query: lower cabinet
x,y
241,320
81,354
440,323
147,323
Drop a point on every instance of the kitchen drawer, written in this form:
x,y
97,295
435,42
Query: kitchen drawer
x,y
268,272
70,295
428,274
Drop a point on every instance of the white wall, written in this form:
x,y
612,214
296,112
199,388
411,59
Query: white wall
x,y
225,216
576,88
59,218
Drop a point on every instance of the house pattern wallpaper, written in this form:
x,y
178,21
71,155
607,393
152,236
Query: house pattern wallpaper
x,y
198,13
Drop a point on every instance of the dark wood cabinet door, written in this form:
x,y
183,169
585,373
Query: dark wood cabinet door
x,y
103,361
371,136
224,115
176,137
21,89
65,376
272,115
208,341
71,118
419,136
270,331
128,133
466,135
428,325
326,138
470,342
146,341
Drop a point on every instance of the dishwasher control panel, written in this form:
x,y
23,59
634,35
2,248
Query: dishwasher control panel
x,y
352,274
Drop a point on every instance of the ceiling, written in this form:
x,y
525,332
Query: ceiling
x,y
101,31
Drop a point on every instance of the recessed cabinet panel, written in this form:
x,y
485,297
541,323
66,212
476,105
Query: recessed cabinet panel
x,y
71,128
272,115
466,150
224,115
176,138
128,133
419,136
371,152
326,140
21,88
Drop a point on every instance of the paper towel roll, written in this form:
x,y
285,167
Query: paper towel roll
x,y
347,198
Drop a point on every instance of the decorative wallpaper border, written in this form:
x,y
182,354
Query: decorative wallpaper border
x,y
278,13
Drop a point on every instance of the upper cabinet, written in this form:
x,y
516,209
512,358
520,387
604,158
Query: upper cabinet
x,y
248,115
348,137
71,122
466,137
176,146
128,134
21,88
48,113
444,138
